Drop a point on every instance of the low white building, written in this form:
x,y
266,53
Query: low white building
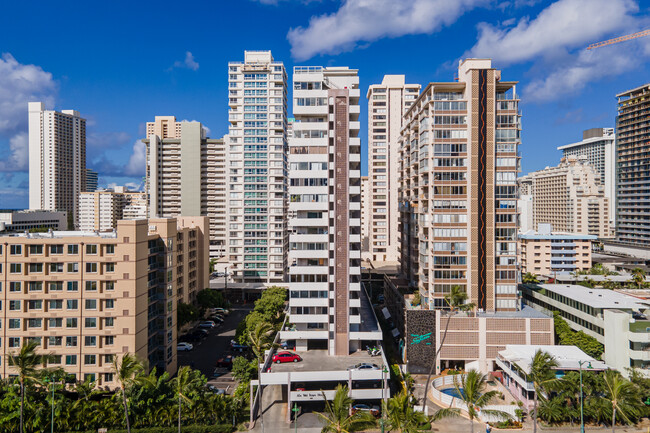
x,y
25,220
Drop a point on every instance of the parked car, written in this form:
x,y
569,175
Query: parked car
x,y
380,299
216,318
364,366
218,391
193,336
362,407
208,324
226,361
218,310
238,347
184,347
281,357
288,345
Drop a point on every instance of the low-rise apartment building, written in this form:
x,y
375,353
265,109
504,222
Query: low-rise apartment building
x,y
101,210
86,297
546,253
618,321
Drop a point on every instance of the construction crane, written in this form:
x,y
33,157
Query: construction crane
x,y
619,39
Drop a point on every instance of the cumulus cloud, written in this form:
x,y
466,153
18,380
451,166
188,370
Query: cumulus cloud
x,y
369,20
187,63
19,154
564,24
138,160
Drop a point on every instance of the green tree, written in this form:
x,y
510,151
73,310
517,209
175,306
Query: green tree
x,y
261,340
26,362
243,369
542,375
210,298
186,313
186,385
529,278
337,416
621,395
566,336
472,387
638,277
128,373
457,301
401,413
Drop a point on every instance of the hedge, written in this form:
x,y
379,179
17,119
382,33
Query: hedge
x,y
184,429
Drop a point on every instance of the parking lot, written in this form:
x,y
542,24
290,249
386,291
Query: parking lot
x,y
206,352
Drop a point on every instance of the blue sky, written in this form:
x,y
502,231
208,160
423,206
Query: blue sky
x,y
122,63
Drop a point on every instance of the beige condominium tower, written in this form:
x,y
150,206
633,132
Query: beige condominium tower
x,y
186,175
57,159
257,169
458,195
387,103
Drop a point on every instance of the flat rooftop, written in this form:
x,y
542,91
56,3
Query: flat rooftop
x,y
320,360
525,313
61,234
567,357
597,278
597,298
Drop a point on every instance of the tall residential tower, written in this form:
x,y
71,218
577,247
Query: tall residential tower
x,y
57,159
257,170
387,103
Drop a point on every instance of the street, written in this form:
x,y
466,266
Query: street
x,y
206,352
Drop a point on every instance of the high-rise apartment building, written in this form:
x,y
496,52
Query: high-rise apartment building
x,y
186,175
325,211
570,198
387,103
257,170
633,167
365,219
88,297
92,179
57,159
458,191
598,146
101,210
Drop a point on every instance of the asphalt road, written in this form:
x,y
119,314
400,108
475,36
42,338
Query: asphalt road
x,y
206,352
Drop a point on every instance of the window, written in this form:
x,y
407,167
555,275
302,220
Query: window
x,y
91,304
109,303
90,322
71,341
14,305
56,267
14,341
109,249
89,377
91,249
108,359
109,285
56,322
15,286
109,267
91,267
71,322
56,249
90,341
16,250
90,359
71,360
15,268
73,267
36,304
35,268
54,341
73,286
36,249
108,340
73,249
35,286
56,304
91,286
108,377
109,321
34,323
55,286
14,323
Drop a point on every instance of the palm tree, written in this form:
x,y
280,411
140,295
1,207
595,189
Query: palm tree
x,y
337,416
26,363
620,393
127,373
402,415
638,277
542,375
529,278
186,384
260,339
457,300
471,387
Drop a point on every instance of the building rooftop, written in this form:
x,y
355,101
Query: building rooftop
x,y
320,360
61,234
597,298
568,276
525,313
567,357
532,234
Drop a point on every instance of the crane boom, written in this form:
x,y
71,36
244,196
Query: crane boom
x,y
619,39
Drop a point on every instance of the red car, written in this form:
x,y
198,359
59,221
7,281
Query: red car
x,y
286,357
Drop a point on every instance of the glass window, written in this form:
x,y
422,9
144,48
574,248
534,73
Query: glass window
x,y
73,267
73,249
15,286
15,268
90,340
91,249
36,249
108,340
14,323
109,321
71,341
90,322
71,360
91,304
71,322
14,341
91,267
90,359
16,250
109,303
109,285
91,286
73,286
14,305
109,267
56,249
55,322
110,249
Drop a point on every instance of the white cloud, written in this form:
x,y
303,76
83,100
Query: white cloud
x,y
20,84
138,160
19,158
368,20
563,25
188,63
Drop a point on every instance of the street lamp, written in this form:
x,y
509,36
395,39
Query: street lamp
x,y
384,370
582,420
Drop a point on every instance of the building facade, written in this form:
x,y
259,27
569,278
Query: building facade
x,y
88,297
365,218
458,192
570,198
26,220
257,171
599,147
57,159
545,253
186,175
101,210
387,103
325,211
92,179
632,167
